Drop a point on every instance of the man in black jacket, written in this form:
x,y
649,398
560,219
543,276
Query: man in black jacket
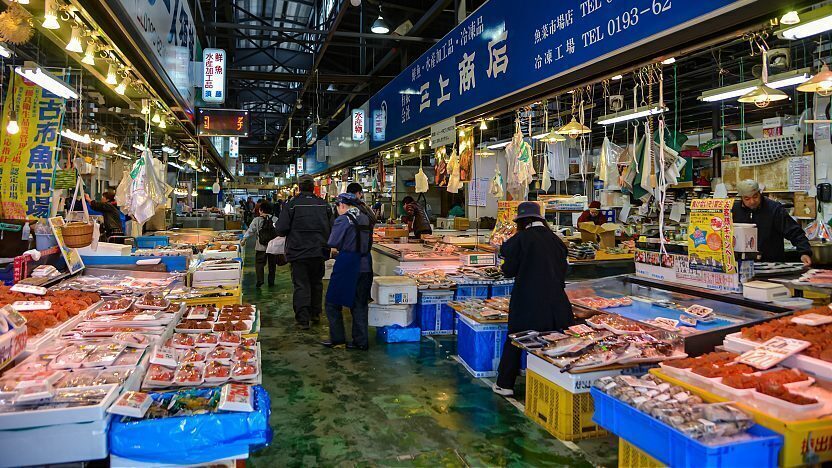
x,y
110,212
306,222
773,224
356,189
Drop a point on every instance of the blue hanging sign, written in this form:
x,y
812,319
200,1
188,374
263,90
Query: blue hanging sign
x,y
505,47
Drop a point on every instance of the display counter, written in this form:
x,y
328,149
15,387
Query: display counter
x,y
388,257
652,300
214,223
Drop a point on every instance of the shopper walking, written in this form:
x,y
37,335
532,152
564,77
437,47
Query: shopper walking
x,y
263,230
536,258
352,275
306,223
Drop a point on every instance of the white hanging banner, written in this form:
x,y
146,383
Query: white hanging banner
x,y
213,66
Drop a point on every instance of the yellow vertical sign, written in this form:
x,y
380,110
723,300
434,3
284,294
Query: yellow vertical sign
x,y
711,235
27,159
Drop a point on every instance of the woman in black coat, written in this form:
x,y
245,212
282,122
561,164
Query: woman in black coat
x,y
536,258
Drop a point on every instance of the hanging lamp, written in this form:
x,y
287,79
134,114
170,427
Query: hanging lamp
x,y
574,129
12,128
111,75
74,44
554,137
820,83
50,16
379,25
763,95
89,55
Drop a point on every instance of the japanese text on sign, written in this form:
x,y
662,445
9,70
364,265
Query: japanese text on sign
x,y
213,87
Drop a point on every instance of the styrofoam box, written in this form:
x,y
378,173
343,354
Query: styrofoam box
x,y
119,462
388,290
217,275
106,248
386,315
53,416
59,443
573,383
817,367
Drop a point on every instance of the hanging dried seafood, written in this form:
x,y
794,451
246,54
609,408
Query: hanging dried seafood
x,y
16,25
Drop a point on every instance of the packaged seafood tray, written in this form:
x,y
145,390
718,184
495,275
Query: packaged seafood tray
x,y
817,367
90,404
673,448
115,306
72,442
575,382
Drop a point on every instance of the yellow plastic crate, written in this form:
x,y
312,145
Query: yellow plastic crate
x,y
804,442
566,415
629,456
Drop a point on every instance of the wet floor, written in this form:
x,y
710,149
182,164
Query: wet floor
x,y
394,405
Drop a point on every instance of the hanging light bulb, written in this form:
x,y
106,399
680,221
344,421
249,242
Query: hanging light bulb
x,y
163,124
12,128
122,87
74,44
421,145
554,137
89,55
111,75
412,149
379,25
462,133
145,107
820,83
156,118
396,154
483,126
763,95
573,129
50,16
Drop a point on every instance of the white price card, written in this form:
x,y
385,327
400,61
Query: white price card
x,y
23,306
812,320
29,289
772,352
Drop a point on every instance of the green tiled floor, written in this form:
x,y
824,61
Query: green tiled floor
x,y
395,405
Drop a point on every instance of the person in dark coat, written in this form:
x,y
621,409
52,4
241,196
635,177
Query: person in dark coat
x,y
110,212
536,258
306,222
593,214
415,217
773,224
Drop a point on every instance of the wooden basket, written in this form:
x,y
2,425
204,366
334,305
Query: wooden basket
x,y
77,235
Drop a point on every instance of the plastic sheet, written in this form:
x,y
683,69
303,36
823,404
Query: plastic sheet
x,y
193,439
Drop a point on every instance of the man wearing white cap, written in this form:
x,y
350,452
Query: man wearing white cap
x,y
773,224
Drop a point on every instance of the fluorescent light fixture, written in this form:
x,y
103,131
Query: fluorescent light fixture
x,y
34,73
72,135
781,80
111,75
167,149
618,77
630,114
89,55
74,44
540,136
122,87
669,61
122,155
106,146
813,23
50,17
790,18
5,52
173,164
23,2
140,147
499,145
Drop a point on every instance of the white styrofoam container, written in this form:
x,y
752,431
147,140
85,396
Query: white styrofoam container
x,y
387,315
217,275
764,291
573,383
59,443
816,367
106,249
388,290
745,237
57,416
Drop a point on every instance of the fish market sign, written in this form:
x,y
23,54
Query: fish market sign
x,y
166,28
502,49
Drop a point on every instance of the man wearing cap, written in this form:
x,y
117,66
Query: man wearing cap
x,y
352,275
773,224
305,222
355,188
593,214
536,258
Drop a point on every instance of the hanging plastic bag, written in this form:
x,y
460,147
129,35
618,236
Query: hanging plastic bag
x,y
559,154
96,234
454,183
818,230
608,164
496,186
545,180
123,191
421,181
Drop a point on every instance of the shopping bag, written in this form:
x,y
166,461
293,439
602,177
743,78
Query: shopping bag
x,y
277,246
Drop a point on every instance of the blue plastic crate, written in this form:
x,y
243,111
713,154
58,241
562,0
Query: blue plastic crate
x,y
150,242
433,314
397,334
673,448
472,291
501,290
480,346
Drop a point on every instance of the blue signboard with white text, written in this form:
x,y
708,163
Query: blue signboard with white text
x,y
507,46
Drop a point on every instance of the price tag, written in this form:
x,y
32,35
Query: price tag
x,y
668,322
772,352
23,306
812,320
29,289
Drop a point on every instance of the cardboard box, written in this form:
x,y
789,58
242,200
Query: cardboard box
x,y
604,234
805,206
461,224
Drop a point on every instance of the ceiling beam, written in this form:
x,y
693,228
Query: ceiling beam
x,y
301,77
353,35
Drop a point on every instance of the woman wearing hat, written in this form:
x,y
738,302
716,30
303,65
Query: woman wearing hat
x,y
352,275
536,258
593,214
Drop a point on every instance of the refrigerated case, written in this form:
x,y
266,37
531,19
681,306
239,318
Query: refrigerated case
x,y
653,299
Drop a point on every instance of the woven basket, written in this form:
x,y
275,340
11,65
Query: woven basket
x,y
77,235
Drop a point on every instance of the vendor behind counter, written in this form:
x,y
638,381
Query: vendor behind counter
x,y
773,223
593,214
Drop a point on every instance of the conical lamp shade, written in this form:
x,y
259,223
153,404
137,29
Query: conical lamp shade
x,y
553,137
573,129
763,95
820,83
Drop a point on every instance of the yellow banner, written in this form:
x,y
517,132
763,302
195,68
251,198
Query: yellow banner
x,y
27,159
711,235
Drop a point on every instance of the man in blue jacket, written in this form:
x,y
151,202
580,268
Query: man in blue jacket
x,y
305,222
